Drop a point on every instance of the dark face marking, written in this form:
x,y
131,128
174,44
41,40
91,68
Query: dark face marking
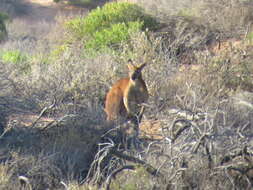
x,y
136,74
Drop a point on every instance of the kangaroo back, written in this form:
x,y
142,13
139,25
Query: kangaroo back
x,y
114,105
126,95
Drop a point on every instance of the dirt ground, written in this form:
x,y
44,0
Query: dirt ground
x,y
47,10
33,17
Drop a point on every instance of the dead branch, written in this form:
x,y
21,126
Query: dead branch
x,y
149,146
244,152
150,169
49,125
183,127
230,178
24,182
243,171
241,129
116,172
8,128
56,122
95,172
176,173
201,141
45,109
108,150
210,160
64,185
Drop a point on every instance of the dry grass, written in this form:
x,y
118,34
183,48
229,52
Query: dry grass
x,y
44,156
5,176
199,115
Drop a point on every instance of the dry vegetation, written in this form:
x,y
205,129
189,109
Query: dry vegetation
x,y
197,129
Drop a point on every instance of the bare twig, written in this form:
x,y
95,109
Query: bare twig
x,y
56,122
43,112
48,125
230,178
243,152
64,185
240,129
176,173
210,160
115,172
150,169
186,125
5,131
200,141
25,182
94,174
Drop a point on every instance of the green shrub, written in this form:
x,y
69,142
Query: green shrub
x,y
113,35
76,27
113,13
110,25
250,37
17,58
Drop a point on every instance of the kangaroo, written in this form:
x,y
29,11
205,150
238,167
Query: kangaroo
x,y
126,95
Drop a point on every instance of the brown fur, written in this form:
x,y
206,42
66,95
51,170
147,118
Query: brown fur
x,y
126,94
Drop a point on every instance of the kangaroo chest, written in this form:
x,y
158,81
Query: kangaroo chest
x,y
137,94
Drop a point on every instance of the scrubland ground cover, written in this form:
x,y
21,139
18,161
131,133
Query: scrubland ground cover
x,y
197,128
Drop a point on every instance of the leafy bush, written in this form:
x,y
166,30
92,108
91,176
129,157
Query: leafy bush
x,y
17,58
113,13
250,37
13,57
114,35
111,24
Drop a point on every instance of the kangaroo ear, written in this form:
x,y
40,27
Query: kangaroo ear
x,y
142,66
130,65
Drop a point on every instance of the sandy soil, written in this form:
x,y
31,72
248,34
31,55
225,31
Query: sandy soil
x,y
41,2
47,10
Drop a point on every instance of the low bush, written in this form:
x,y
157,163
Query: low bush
x,y
16,58
110,25
113,13
113,35
13,56
250,38
57,131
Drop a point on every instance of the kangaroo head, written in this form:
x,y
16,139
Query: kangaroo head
x,y
135,71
